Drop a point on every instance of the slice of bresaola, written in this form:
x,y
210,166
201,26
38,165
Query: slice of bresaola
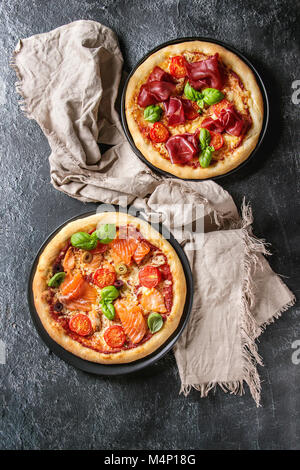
x,y
233,121
159,87
214,125
160,75
229,121
205,73
178,110
145,98
193,138
174,111
182,148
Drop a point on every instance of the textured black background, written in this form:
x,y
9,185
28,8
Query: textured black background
x,y
44,402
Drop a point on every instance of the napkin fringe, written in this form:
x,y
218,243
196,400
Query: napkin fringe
x,y
19,85
250,330
278,314
234,387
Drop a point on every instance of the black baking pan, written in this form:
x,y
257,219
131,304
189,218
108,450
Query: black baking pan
x,y
242,57
114,369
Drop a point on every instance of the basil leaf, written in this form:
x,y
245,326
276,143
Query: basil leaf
x,y
108,309
191,93
57,279
94,235
212,96
109,293
84,240
206,156
200,103
155,322
204,138
106,233
152,113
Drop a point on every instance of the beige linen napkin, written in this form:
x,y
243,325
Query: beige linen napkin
x,y
69,79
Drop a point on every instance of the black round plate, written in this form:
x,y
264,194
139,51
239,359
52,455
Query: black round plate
x,y
242,57
114,369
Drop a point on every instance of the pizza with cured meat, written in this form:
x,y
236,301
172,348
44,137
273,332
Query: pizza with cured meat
x,y
194,109
109,288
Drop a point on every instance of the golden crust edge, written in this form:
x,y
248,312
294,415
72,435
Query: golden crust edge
x,y
255,106
57,333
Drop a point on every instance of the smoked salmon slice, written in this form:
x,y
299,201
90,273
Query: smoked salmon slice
x,y
123,249
153,300
129,231
95,262
78,294
85,301
141,251
132,319
71,286
69,260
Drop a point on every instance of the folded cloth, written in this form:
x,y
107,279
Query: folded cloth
x,y
69,79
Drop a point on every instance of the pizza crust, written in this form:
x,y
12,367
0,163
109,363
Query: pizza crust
x,y
58,334
255,104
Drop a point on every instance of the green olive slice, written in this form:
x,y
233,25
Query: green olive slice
x,y
121,268
86,257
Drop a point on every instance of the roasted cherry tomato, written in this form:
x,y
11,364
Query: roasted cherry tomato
x,y
149,276
81,324
159,133
177,66
105,276
218,107
216,140
114,336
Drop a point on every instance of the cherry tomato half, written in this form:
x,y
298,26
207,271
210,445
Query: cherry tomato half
x,y
114,336
104,276
150,276
217,140
159,133
81,324
177,66
218,107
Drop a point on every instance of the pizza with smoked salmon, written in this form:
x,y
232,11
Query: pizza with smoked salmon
x,y
194,109
109,288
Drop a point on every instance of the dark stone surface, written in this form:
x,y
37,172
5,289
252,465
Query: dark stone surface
x,y
44,402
